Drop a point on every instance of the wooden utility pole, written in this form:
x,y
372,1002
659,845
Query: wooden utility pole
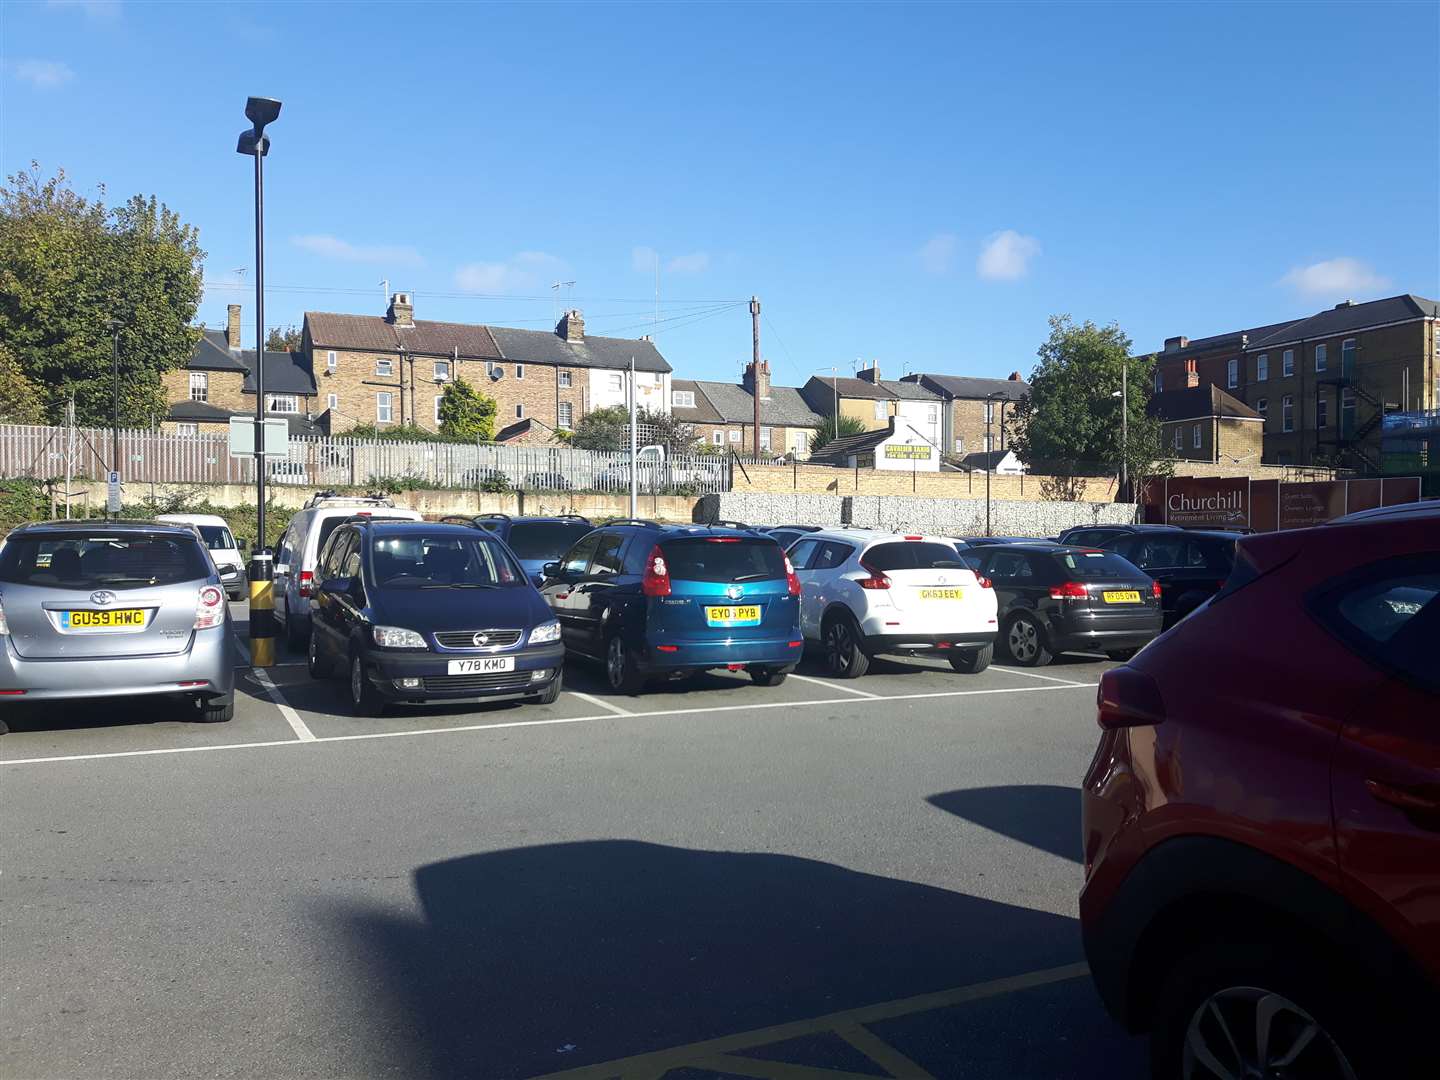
x,y
755,368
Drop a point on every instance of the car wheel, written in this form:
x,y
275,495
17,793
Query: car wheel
x,y
767,676
364,698
1256,1010
293,636
843,654
621,671
215,710
320,666
552,692
1025,642
972,661
1120,655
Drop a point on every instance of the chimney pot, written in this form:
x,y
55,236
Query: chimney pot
x,y
1344,304
1192,376
571,326
763,378
401,311
232,327
870,374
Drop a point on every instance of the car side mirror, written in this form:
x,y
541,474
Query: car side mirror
x,y
551,569
337,586
241,543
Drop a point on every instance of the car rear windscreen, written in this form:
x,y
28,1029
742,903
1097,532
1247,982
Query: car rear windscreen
x,y
102,561
1097,566
216,537
545,539
724,559
913,555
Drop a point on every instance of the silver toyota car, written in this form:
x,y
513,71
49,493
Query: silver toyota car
x,y
96,609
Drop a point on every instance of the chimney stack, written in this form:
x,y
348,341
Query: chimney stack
x,y
1014,377
232,327
401,311
571,326
1192,376
1175,344
870,374
757,379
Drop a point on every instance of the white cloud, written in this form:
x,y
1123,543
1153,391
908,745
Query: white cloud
x,y
643,259
332,247
1006,256
697,262
100,10
938,253
1334,277
525,270
41,74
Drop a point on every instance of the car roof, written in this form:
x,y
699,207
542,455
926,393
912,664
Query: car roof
x,y
191,519
381,527
90,525
1403,511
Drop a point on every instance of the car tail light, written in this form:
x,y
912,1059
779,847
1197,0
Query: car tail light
x,y
914,538
656,581
307,578
209,607
876,580
985,582
1155,589
791,580
1128,698
1070,590
724,539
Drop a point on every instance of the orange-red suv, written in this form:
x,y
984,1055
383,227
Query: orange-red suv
x,y
1262,815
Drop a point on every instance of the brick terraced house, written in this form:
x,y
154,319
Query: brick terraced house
x,y
965,408
723,414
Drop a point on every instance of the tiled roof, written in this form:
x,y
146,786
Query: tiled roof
x,y
852,388
909,391
1341,320
736,405
1196,401
212,353
285,373
969,387
332,330
547,347
702,413
836,451
199,410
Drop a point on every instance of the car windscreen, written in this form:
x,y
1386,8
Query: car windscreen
x,y
724,558
420,561
100,560
913,555
216,537
545,540
1096,566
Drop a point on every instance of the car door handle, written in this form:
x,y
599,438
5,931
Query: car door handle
x,y
1416,800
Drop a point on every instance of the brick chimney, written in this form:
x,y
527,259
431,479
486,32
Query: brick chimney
x,y
762,377
232,327
1014,377
571,326
870,374
1192,376
1175,344
401,311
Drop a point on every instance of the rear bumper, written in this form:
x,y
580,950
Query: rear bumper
x,y
209,660
680,654
908,643
1131,634
437,684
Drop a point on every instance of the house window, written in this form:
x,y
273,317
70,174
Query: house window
x,y
934,413
1287,413
330,360
882,412
382,407
1347,356
442,370
1262,367
682,399
718,438
1179,438
283,403
332,401
1321,352
1322,412
199,386
563,416
989,412
187,429
959,446
519,412
564,379
1195,437
519,371
989,443
1262,406
735,436
1347,411
1287,363
616,381
382,367
1159,380
438,399
1232,373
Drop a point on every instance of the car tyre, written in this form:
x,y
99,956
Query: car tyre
x,y
551,693
844,656
215,710
1217,989
767,676
293,637
1024,642
621,670
973,661
1120,655
365,700
321,667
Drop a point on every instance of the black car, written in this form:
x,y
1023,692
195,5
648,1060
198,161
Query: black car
x,y
1100,535
418,612
1190,565
993,541
536,540
785,535
1054,599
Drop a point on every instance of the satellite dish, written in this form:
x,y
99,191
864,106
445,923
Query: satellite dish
x,y
496,374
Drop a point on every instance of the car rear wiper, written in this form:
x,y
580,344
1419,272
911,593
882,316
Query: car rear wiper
x,y
751,577
461,585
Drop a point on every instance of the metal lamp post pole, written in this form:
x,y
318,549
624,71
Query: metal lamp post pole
x,y
634,449
1124,433
261,150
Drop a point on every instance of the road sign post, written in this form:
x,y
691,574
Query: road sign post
x,y
112,493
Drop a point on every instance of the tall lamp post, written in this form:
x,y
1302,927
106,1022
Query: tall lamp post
x,y
1124,395
114,326
255,143
990,400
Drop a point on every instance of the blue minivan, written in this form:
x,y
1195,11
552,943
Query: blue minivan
x,y
651,600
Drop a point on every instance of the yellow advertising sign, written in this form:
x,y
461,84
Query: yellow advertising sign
x,y
908,453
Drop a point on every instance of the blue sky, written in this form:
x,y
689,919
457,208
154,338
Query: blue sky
x,y
919,185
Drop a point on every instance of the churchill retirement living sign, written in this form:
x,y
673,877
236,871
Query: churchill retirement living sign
x,y
1237,502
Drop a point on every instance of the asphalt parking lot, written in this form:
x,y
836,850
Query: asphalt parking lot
x,y
819,879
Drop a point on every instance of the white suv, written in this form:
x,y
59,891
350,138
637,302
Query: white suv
x,y
865,592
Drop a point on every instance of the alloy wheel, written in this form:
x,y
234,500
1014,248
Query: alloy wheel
x,y
357,681
1024,639
838,651
615,663
1246,1033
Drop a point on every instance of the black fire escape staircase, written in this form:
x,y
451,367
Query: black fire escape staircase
x,y
1348,432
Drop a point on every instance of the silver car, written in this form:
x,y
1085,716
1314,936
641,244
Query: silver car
x,y
96,609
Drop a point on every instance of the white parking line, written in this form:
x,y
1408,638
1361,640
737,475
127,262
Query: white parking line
x,y
1033,675
303,733
831,684
616,709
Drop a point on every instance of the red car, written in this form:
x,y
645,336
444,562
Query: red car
x,y
1261,821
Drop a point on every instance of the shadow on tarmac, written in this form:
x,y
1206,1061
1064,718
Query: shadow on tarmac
x,y
1044,816
532,960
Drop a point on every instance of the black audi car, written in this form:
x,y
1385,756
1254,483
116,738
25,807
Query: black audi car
x,y
1054,599
1190,565
416,612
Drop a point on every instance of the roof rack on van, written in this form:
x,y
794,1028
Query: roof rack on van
x,y
329,498
630,521
367,519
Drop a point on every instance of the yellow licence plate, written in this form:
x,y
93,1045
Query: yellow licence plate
x,y
744,615
102,620
940,594
1124,596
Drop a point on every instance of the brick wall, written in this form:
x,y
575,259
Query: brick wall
x,y
967,424
226,389
820,480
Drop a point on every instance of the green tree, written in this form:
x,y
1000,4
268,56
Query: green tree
x,y
602,429
283,338
466,413
68,266
831,429
1069,421
20,400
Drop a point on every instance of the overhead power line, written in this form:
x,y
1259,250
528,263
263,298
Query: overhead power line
x,y
336,290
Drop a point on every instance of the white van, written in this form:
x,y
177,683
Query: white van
x,y
299,550
224,548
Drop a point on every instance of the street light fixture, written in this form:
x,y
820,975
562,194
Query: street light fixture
x,y
255,143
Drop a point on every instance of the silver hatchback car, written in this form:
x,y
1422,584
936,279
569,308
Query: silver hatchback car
x,y
96,609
